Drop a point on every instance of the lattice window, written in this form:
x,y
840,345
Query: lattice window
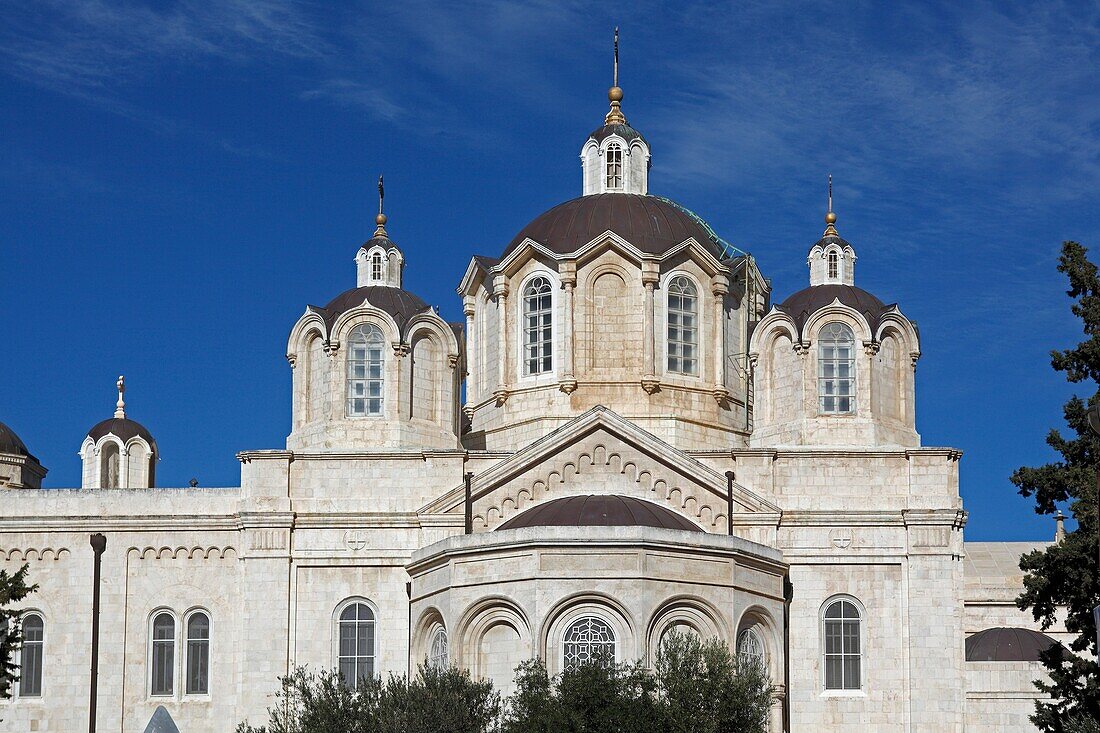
x,y
355,657
834,265
588,640
842,646
683,326
750,649
376,267
836,369
438,655
538,327
365,363
614,166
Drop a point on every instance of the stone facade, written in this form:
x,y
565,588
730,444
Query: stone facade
x,y
663,374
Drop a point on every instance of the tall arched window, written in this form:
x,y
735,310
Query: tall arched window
x,y
438,654
836,371
842,646
355,656
109,461
163,655
365,364
614,177
376,267
198,654
683,326
588,639
538,317
750,649
31,655
834,265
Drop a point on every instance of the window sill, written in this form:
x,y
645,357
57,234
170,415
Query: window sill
x,y
843,693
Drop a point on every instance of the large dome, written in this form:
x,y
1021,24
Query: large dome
x,y
1006,644
600,511
10,443
652,224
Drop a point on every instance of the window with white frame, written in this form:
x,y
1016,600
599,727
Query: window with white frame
x,y
750,649
109,461
587,640
355,633
836,369
834,265
365,364
438,653
683,326
538,327
614,161
376,267
198,654
31,655
162,655
842,652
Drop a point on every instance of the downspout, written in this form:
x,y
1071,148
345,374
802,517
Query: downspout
x,y
469,503
729,500
409,593
788,595
99,545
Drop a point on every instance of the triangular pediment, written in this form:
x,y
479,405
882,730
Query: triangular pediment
x,y
602,453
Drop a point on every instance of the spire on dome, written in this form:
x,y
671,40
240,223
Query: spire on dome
x,y
120,406
615,93
380,220
830,217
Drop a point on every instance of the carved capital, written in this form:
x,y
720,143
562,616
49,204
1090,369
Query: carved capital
x,y
452,360
332,346
651,384
400,349
500,394
721,395
469,410
913,356
871,347
754,359
719,285
292,359
468,309
568,384
801,347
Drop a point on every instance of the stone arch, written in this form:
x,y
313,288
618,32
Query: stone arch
x,y
493,636
687,611
579,605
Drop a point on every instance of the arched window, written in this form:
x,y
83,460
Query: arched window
x,y
836,375
614,166
376,267
438,655
355,656
30,656
683,326
198,654
109,461
538,316
834,265
163,655
588,639
750,649
842,646
365,364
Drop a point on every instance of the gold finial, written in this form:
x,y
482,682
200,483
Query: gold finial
x,y
830,217
380,220
615,93
120,406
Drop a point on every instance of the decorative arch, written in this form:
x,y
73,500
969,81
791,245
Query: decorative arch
x,y
683,305
688,611
759,620
582,605
424,631
494,621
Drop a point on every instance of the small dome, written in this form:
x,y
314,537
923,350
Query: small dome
x,y
626,132
11,444
600,511
652,224
401,304
379,240
124,428
1005,644
808,301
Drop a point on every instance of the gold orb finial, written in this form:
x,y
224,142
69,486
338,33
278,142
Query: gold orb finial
x,y
830,218
615,94
380,220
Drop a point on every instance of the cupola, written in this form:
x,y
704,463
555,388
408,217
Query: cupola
x,y
615,158
119,453
379,261
832,260
18,468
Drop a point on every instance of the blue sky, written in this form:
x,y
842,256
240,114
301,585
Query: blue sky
x,y
180,179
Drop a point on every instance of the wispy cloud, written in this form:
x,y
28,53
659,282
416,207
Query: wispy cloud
x,y
357,94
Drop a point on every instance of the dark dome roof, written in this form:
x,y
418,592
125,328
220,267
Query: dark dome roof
x,y
650,223
805,303
401,304
124,428
626,132
600,511
379,240
10,443
1004,644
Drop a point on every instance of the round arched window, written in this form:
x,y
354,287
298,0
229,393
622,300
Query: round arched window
x,y
587,640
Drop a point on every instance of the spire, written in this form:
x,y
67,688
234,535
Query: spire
x,y
830,217
615,94
120,406
380,220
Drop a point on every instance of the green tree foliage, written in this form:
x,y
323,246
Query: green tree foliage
x,y
1064,576
13,589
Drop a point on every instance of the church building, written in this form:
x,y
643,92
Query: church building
x,y
629,433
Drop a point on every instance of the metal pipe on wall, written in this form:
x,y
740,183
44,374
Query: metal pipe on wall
x,y
99,544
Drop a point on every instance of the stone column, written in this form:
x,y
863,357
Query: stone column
x,y
399,394
718,288
650,277
500,293
472,365
568,380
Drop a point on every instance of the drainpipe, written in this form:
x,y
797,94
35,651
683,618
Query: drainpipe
x,y
409,593
788,595
469,504
99,544
729,500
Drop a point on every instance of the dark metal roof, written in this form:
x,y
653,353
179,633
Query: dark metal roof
x,y
805,303
650,223
626,132
1005,644
401,304
600,511
381,241
124,428
11,444
831,239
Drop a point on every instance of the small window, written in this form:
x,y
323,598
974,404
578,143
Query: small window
x,y
163,655
365,364
376,267
538,326
438,655
836,369
683,326
589,639
198,654
109,461
750,649
842,646
356,639
834,265
30,656
614,166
